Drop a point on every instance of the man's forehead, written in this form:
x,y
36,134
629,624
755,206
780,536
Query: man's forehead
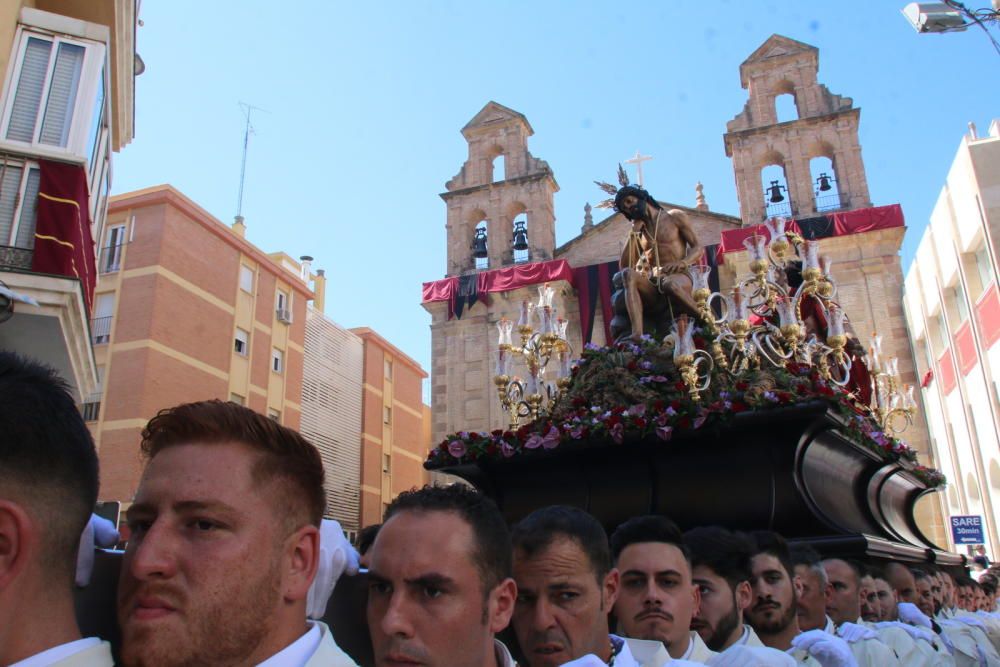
x,y
563,559
652,557
206,472
766,563
415,543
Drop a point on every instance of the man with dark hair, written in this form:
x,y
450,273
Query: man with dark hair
x,y
901,580
566,588
721,570
772,612
658,597
48,487
843,607
366,538
440,580
224,544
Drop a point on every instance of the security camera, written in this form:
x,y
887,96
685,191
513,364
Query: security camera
x,y
934,17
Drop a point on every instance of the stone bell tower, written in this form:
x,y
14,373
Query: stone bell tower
x,y
826,126
499,186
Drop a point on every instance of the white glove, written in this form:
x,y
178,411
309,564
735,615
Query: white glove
x,y
828,650
852,632
914,632
738,655
589,660
98,533
909,613
336,557
971,620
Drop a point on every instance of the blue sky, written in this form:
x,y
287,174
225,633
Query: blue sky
x,y
364,103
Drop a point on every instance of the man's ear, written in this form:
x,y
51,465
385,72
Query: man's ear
x,y
18,539
612,587
797,585
744,595
500,606
301,561
828,592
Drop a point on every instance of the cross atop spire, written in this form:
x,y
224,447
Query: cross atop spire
x,y
637,160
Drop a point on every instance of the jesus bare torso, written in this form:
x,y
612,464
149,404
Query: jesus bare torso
x,y
660,248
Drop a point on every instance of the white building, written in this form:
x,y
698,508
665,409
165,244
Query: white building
x,y
331,411
953,314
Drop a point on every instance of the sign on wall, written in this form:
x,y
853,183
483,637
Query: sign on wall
x,y
967,529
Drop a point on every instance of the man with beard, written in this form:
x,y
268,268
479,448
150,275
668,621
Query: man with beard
x,y
772,611
720,568
440,580
657,598
656,255
224,544
48,487
566,587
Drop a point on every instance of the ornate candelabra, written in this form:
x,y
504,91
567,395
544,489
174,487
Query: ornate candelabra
x,y
765,321
533,395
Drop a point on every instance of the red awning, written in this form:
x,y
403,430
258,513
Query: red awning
x,y
500,280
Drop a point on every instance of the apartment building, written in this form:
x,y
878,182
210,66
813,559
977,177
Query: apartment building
x,y
395,435
67,104
187,309
953,316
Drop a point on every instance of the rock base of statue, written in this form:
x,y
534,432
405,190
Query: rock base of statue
x,y
656,318
791,470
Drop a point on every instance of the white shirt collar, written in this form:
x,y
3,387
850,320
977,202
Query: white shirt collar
x,y
297,653
504,658
745,637
690,650
57,653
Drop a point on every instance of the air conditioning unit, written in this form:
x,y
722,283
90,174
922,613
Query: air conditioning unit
x,y
284,315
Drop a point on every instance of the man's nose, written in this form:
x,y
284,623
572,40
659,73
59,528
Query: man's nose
x,y
154,555
396,621
542,617
653,593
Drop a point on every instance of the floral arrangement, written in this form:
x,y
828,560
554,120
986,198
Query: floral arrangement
x,y
632,390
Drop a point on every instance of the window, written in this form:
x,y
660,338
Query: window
x,y
283,307
386,414
104,310
242,342
277,360
18,199
111,254
246,278
274,415
59,97
388,369
237,399
387,464
92,409
984,266
961,307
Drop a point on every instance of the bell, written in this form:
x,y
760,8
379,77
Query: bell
x,y
824,182
520,236
479,244
775,192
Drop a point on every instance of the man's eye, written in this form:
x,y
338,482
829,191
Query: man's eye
x,y
433,592
204,525
378,587
704,590
566,596
137,527
634,583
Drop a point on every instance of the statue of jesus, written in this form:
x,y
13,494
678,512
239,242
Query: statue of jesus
x,y
658,251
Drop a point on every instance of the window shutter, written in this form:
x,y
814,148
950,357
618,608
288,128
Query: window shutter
x,y
26,222
62,95
10,183
28,96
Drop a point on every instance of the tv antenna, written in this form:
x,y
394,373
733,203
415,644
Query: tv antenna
x,y
248,109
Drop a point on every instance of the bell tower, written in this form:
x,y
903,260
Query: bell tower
x,y
500,204
809,157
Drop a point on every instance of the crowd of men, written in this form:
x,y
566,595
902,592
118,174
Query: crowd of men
x,y
229,562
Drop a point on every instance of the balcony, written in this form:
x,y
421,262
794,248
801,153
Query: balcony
x,y
56,331
16,259
830,202
100,330
109,259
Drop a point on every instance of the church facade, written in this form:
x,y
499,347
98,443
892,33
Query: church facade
x,y
808,168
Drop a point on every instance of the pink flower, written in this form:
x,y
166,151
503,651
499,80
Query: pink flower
x,y
534,441
664,432
551,439
618,432
506,449
700,420
637,410
457,448
576,433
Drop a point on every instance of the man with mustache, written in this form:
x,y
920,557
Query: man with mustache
x,y
48,487
566,589
657,598
439,583
224,544
720,568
